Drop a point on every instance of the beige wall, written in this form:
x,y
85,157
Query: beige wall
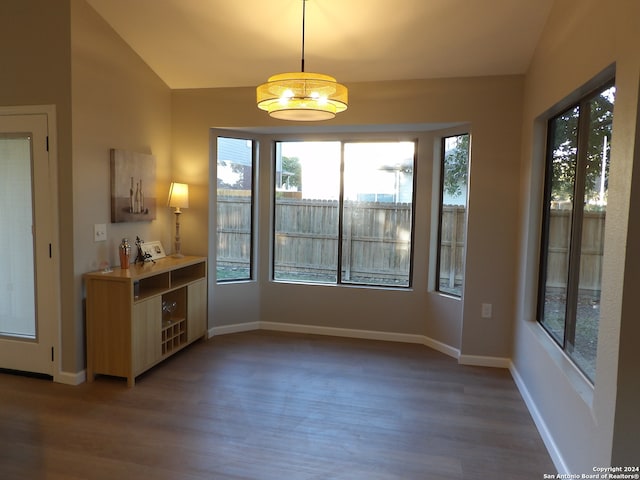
x,y
492,106
118,102
36,70
581,39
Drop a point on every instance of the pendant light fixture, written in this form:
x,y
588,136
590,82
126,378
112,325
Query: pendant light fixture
x,y
302,96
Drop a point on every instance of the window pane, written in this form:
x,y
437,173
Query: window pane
x,y
453,214
378,212
573,245
17,275
307,185
563,150
582,341
234,200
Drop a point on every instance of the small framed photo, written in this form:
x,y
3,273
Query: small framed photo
x,y
154,249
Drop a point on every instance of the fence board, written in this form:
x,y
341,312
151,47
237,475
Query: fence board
x,y
592,249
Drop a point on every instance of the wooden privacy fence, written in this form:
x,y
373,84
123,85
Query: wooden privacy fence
x,y
234,231
453,232
592,248
377,241
453,242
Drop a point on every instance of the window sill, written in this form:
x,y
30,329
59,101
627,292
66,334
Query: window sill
x,y
574,376
234,282
361,286
447,295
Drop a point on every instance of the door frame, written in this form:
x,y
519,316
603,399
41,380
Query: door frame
x,y
52,134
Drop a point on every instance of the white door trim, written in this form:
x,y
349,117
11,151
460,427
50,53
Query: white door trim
x,y
52,133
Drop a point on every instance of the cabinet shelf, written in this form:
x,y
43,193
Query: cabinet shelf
x,y
139,316
150,286
188,274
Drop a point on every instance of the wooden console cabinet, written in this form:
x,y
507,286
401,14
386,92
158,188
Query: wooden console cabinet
x,y
139,316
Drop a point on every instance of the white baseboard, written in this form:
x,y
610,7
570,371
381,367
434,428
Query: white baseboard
x,y
477,360
338,332
552,448
441,347
342,332
69,378
238,327
482,361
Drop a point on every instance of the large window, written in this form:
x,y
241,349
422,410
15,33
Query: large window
x,y
235,166
344,212
575,206
454,172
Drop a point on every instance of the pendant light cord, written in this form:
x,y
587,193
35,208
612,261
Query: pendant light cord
x,y
304,4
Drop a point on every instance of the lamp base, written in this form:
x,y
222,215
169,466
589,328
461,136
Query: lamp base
x,y
178,246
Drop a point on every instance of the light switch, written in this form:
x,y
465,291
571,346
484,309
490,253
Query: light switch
x,y
99,232
486,311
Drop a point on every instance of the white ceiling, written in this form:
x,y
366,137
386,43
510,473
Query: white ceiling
x,y
229,43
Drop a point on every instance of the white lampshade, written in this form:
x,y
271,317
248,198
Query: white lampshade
x,y
302,96
178,195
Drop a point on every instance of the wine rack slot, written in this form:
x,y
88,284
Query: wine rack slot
x,y
174,321
174,335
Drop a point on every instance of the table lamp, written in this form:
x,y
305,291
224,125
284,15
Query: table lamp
x,y
178,198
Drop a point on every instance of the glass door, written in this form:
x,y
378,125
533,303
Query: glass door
x,y
26,281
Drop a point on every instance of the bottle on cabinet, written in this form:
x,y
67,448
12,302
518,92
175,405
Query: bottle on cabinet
x,y
125,253
136,200
141,200
131,197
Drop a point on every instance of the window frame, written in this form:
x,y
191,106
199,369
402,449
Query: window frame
x,y
577,216
441,179
255,146
343,140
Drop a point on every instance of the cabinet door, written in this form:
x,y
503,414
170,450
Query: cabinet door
x,y
146,332
196,310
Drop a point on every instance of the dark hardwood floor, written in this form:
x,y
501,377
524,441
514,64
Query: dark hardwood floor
x,y
275,406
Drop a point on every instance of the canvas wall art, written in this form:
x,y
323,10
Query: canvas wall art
x,y
133,186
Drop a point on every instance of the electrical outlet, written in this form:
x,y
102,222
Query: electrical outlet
x,y
486,310
99,232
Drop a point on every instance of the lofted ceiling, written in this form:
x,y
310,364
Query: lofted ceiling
x,y
232,43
